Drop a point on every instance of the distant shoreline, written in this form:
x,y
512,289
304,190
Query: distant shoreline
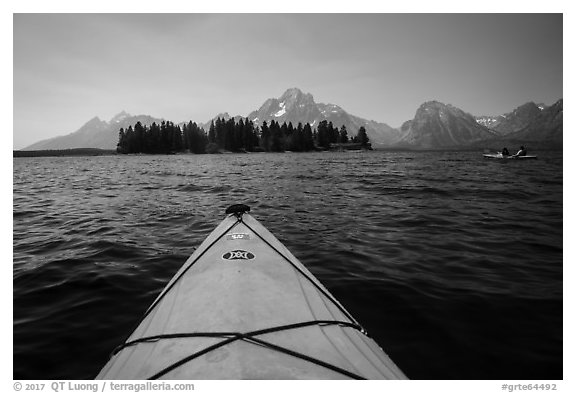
x,y
89,152
63,152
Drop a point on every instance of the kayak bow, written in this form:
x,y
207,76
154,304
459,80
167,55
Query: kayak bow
x,y
243,307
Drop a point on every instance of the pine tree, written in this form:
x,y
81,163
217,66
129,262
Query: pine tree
x,y
229,141
323,137
192,138
362,137
130,140
220,127
265,136
121,146
248,136
212,133
186,137
155,139
276,137
239,135
176,132
296,140
332,134
308,138
201,140
139,137
343,136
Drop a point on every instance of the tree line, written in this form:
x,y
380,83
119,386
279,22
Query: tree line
x,y
163,138
235,136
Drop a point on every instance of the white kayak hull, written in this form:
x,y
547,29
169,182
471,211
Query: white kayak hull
x,y
501,157
243,307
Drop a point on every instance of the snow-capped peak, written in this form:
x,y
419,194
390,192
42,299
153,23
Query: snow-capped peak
x,y
119,117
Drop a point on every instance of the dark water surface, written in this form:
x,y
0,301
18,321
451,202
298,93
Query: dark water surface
x,y
452,262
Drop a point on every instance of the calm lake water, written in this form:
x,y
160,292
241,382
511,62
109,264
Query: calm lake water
x,y
452,262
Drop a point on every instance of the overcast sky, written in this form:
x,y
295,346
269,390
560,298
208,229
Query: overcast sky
x,y
69,68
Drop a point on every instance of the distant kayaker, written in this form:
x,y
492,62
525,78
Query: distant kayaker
x,y
505,152
521,152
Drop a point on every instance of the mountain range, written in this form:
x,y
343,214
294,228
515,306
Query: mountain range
x,y
513,121
435,125
95,133
530,124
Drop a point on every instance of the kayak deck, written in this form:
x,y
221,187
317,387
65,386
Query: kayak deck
x,y
243,307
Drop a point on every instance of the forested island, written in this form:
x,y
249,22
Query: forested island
x,y
237,136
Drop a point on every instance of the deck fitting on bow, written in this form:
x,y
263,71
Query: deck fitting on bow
x,y
238,209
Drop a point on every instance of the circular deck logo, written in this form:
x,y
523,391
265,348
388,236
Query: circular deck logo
x,y
238,255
